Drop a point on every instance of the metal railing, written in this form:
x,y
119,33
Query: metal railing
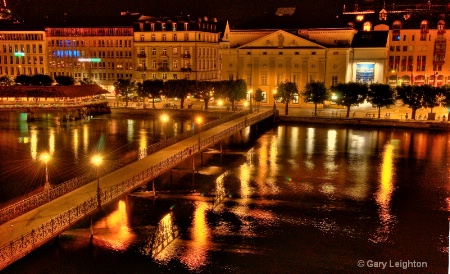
x,y
23,245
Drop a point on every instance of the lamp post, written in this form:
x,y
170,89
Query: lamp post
x,y
45,157
164,119
220,104
274,98
199,121
97,161
250,94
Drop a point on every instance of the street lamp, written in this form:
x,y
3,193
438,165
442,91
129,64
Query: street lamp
x,y
250,93
97,161
199,121
274,100
45,157
164,118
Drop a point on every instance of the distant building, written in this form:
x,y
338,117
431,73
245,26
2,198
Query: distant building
x,y
176,48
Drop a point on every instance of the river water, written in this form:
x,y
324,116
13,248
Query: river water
x,y
300,199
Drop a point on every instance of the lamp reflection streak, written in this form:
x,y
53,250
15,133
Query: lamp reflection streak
x,y
384,195
195,254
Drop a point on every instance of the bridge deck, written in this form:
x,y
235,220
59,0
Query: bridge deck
x,y
16,228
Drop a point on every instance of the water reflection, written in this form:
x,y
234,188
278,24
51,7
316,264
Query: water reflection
x,y
195,254
384,195
113,231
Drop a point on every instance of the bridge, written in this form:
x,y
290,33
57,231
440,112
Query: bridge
x,y
34,228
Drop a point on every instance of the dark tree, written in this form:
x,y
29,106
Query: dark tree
x,y
179,88
350,94
6,80
381,95
259,97
124,87
65,80
152,88
41,80
412,96
445,98
24,80
431,96
286,91
87,81
316,93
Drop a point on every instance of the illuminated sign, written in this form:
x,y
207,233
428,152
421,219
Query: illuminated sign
x,y
89,60
19,54
365,73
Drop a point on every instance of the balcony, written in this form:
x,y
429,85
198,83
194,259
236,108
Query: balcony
x,y
186,55
164,68
142,69
186,69
141,55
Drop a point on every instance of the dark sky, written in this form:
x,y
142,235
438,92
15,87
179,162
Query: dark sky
x,y
236,11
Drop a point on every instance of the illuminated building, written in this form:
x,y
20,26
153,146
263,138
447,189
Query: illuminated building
x,y
22,52
417,40
178,48
102,54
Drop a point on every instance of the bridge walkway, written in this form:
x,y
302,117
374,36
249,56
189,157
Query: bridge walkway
x,y
25,233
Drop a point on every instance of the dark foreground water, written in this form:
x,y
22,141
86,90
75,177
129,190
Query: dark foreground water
x,y
301,199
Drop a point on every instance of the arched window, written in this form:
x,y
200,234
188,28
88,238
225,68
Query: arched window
x,y
367,26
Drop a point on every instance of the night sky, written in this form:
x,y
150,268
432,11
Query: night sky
x,y
238,12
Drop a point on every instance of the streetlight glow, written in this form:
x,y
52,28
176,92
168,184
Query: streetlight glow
x,y
45,157
164,118
97,160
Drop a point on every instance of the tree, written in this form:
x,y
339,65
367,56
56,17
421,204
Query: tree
x,y
179,88
234,90
6,80
316,93
87,81
152,88
431,96
445,98
124,87
412,96
204,90
350,94
259,96
286,91
41,80
381,95
65,80
24,80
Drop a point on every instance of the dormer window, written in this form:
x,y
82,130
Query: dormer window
x,y
441,27
367,26
185,26
423,30
163,26
152,26
382,16
174,26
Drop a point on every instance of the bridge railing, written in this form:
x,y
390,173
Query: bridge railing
x,y
14,210
23,245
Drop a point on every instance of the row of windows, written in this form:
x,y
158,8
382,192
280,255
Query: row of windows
x,y
95,76
21,37
26,60
100,54
128,43
100,65
21,70
175,37
10,48
89,31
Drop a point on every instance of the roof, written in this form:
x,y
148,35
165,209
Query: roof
x,y
370,39
51,91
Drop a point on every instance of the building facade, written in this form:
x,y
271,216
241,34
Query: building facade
x,y
103,54
23,52
179,48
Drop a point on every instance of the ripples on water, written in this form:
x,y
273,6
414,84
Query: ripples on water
x,y
300,200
